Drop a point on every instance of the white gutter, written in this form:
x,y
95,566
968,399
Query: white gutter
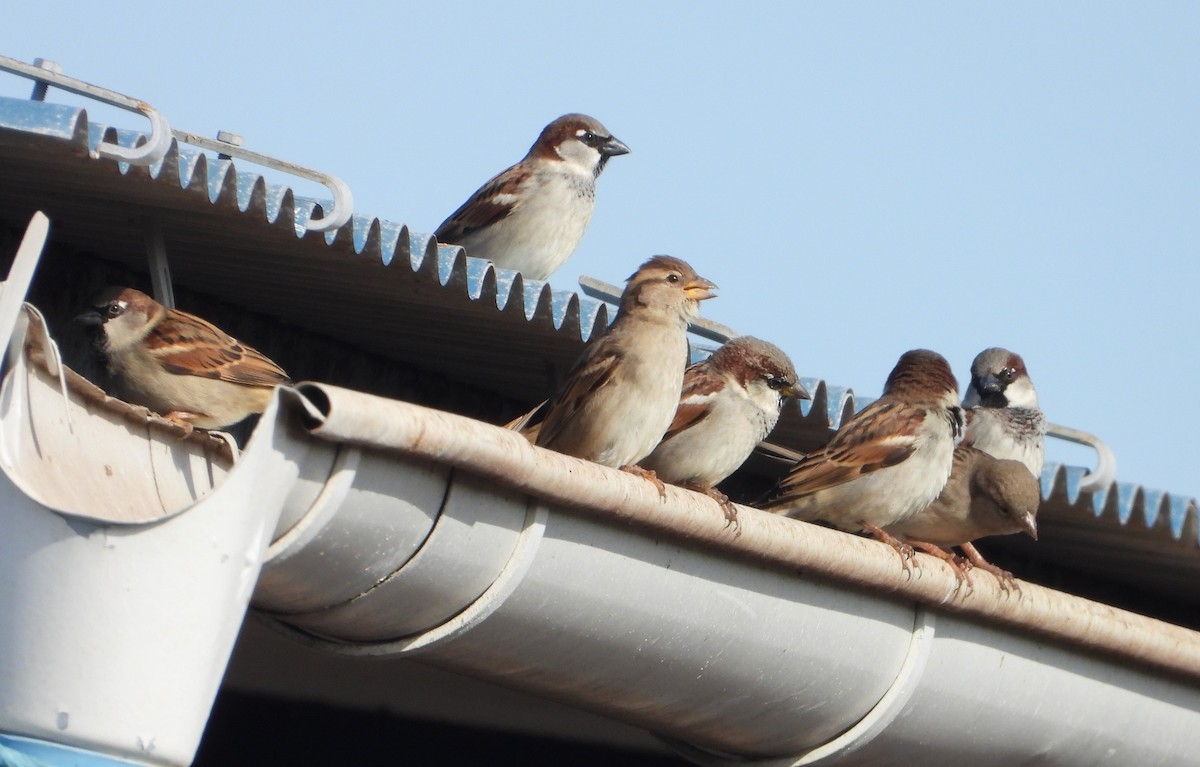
x,y
407,531
599,594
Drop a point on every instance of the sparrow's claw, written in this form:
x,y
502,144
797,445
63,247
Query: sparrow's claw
x,y
727,506
1006,579
183,419
908,558
648,474
959,565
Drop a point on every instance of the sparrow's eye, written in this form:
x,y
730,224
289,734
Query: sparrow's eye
x,y
1007,374
114,309
673,278
775,382
586,136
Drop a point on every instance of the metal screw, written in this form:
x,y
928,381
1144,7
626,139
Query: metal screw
x,y
228,137
40,87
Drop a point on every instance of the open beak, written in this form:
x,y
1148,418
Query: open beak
x,y
700,289
613,147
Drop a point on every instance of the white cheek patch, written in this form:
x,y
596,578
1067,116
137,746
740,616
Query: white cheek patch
x,y
579,156
1020,393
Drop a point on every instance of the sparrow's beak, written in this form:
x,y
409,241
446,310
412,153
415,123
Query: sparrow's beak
x,y
1029,526
613,147
91,319
990,384
700,289
796,390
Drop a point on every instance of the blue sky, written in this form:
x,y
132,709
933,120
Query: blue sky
x,y
860,179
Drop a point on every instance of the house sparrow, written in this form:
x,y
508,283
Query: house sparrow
x,y
532,216
888,462
1003,417
620,396
177,364
729,403
984,496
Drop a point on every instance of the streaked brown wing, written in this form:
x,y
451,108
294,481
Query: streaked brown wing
x,y
882,435
700,387
188,345
688,414
530,423
481,209
594,371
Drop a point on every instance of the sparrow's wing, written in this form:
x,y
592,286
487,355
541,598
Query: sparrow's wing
x,y
530,423
778,453
700,390
882,435
595,370
188,345
491,202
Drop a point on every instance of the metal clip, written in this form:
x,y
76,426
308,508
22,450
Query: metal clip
x,y
229,145
41,86
1105,473
157,143
713,331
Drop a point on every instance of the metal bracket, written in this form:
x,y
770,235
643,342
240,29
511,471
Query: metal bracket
x,y
343,200
1105,473
713,331
157,143
160,269
875,721
45,73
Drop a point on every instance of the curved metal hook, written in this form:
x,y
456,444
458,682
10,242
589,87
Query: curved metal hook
x,y
157,142
1105,473
343,200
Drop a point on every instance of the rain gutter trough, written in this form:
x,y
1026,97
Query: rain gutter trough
x,y
383,529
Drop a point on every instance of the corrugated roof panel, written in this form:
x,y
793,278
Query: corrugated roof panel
x,y
438,308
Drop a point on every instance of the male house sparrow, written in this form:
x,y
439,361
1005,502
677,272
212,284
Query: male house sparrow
x,y
888,462
532,216
177,364
620,396
729,403
984,496
1003,417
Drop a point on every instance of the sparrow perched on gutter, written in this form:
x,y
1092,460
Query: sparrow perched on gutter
x,y
984,496
532,216
888,462
1004,421
1003,417
177,364
729,403
620,396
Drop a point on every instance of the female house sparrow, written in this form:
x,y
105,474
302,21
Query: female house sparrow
x,y
888,462
620,396
532,216
177,364
1003,417
730,402
984,496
